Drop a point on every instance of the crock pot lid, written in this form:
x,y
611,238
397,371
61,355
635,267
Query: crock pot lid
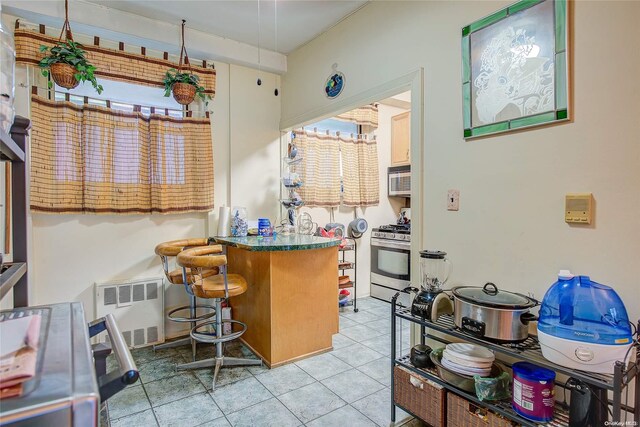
x,y
433,254
492,296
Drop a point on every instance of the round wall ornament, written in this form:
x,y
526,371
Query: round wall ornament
x,y
335,83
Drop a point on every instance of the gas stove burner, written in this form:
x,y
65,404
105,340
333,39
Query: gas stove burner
x,y
396,228
393,232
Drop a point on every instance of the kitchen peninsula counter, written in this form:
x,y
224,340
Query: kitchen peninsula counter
x,y
292,242
291,303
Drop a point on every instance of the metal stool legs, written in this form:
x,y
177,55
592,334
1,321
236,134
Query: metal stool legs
x,y
218,339
193,319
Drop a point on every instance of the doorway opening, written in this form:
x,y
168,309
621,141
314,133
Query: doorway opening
x,y
397,137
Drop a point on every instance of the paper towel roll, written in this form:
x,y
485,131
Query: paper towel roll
x,y
223,221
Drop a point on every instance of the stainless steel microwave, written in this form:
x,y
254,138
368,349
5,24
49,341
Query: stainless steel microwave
x,y
399,181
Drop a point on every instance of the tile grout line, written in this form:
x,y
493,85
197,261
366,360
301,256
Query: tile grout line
x,y
363,373
378,381
246,407
208,393
150,406
173,374
183,397
131,413
331,391
363,414
287,408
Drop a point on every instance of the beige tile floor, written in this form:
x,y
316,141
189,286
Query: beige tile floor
x,y
348,386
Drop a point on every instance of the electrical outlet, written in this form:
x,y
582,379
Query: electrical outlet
x,y
453,200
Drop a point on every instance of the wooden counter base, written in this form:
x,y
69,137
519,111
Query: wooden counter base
x,y
291,303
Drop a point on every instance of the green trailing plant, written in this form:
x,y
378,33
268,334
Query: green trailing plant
x,y
174,76
69,52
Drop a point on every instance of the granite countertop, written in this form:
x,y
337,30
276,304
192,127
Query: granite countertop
x,y
280,242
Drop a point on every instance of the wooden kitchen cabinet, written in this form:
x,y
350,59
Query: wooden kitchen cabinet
x,y
401,139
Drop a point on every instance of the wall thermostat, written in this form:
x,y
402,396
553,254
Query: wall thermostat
x,y
578,208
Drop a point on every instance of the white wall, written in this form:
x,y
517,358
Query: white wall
x,y
385,213
254,143
72,252
510,228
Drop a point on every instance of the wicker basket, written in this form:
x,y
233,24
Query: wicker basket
x,y
64,75
462,413
423,398
183,93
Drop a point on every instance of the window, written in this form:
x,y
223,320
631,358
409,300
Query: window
x,y
335,126
122,97
339,164
116,156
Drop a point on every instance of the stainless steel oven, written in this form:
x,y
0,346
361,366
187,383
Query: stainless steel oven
x,y
70,378
390,262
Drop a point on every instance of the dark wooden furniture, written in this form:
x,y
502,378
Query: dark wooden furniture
x,y
14,149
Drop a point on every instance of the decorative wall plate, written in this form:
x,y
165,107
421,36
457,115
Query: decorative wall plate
x,y
335,83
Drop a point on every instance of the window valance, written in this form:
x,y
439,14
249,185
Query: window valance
x,y
363,116
111,64
93,159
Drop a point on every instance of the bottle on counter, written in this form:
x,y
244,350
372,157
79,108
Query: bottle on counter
x,y
239,223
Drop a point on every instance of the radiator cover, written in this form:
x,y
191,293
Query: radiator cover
x,y
137,305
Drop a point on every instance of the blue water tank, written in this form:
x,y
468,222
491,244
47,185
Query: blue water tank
x,y
575,308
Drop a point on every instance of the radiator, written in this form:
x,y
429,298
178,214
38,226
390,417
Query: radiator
x,y
137,305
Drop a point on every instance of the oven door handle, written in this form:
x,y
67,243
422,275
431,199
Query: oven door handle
x,y
127,373
382,243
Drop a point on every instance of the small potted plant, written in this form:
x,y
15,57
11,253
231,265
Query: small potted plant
x,y
68,66
184,86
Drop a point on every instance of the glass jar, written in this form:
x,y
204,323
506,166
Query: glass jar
x,y
239,225
7,78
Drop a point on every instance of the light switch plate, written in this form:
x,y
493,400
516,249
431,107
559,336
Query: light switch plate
x,y
453,200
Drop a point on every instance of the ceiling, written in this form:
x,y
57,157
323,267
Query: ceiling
x,y
298,21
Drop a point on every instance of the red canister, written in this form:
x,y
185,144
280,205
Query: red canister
x,y
533,391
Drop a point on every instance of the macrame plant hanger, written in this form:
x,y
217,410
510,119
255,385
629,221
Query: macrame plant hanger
x,y
183,51
184,93
61,73
66,26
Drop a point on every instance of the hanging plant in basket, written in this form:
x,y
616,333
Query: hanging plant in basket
x,y
68,66
66,61
185,87
184,84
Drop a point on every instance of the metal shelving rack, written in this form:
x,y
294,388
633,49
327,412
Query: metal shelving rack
x,y
344,265
528,350
13,149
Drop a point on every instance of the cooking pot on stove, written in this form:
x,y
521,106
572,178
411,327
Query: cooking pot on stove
x,y
493,314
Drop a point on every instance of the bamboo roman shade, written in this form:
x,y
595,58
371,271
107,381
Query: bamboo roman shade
x,y
360,176
320,168
111,64
326,183
363,116
92,159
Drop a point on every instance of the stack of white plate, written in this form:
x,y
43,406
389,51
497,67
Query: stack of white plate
x,y
468,359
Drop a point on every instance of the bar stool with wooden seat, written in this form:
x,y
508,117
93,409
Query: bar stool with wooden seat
x,y
169,250
219,287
